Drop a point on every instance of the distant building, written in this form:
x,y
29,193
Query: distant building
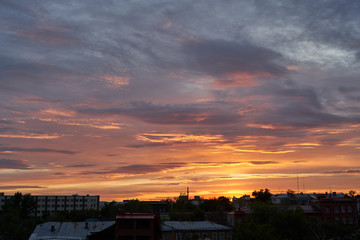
x,y
324,207
74,231
53,204
174,230
339,209
137,226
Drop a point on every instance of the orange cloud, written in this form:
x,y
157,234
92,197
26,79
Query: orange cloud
x,y
115,81
292,68
30,136
268,126
244,79
62,113
179,138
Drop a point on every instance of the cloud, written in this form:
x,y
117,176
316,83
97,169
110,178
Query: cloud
x,y
263,162
13,164
30,136
81,165
4,121
222,58
48,34
44,150
136,169
348,171
191,114
18,187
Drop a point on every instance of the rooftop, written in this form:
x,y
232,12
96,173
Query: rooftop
x,y
68,230
192,226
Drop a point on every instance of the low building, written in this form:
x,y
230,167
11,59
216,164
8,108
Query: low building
x,y
339,209
137,226
174,230
74,231
52,204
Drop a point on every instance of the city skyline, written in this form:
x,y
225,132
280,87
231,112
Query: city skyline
x,y
141,99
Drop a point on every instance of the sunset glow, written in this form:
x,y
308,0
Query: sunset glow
x,y
143,99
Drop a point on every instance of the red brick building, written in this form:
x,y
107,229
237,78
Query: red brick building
x,y
339,210
137,226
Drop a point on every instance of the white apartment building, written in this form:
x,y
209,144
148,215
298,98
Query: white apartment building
x,y
54,204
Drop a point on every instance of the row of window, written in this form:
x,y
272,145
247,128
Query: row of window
x,y
67,205
214,236
63,205
338,209
345,220
67,200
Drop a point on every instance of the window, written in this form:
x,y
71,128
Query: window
x,y
336,209
189,236
351,220
342,208
178,236
222,236
327,209
143,237
229,236
350,208
125,224
142,223
125,237
214,236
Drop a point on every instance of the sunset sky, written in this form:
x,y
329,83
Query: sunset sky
x,y
141,99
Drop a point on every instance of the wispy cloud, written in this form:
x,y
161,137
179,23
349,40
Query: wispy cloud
x,y
14,164
44,150
347,171
19,187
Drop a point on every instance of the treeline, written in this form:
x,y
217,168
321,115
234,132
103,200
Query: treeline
x,y
269,221
265,221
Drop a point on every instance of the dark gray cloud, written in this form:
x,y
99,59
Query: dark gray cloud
x,y
302,117
18,187
347,171
150,145
44,150
263,162
348,89
169,114
140,168
81,165
5,122
218,57
13,164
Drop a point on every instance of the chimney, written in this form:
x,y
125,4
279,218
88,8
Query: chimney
x,y
52,228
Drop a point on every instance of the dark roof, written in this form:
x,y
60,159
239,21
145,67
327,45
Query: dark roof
x,y
68,230
192,226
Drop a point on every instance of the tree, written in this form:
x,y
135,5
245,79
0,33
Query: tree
x,y
220,204
269,223
262,195
352,193
137,206
16,221
184,210
110,210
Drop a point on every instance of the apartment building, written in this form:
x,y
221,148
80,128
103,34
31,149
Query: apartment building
x,y
53,204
